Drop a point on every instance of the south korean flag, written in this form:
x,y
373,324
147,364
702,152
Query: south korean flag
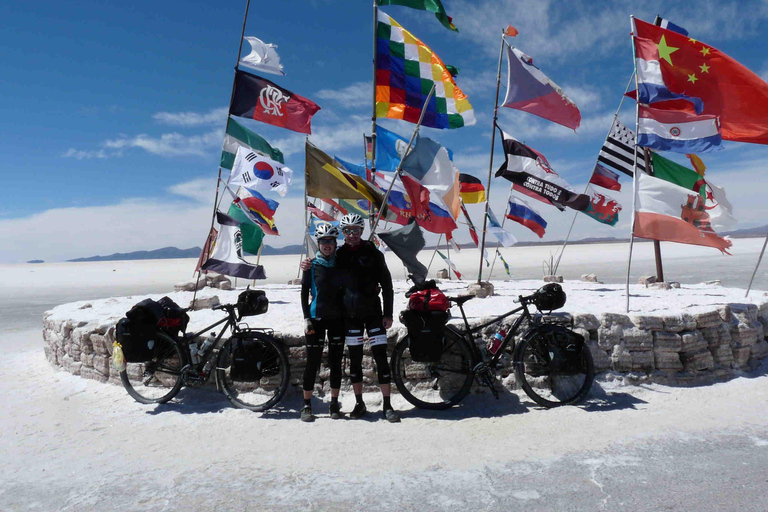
x,y
255,171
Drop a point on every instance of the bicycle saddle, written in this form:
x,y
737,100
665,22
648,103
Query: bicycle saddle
x,y
461,299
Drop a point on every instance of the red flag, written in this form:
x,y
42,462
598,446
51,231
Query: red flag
x,y
472,231
511,31
727,88
258,98
428,215
320,214
207,247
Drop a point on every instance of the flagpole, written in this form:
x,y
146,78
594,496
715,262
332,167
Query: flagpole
x,y
304,248
440,239
448,252
576,214
490,165
634,169
399,169
373,113
749,287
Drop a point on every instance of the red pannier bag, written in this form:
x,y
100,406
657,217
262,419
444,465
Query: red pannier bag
x,y
431,299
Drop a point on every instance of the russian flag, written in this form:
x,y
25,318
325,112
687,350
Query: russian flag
x,y
525,215
681,132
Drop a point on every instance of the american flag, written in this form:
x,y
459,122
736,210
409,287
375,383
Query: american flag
x,y
617,150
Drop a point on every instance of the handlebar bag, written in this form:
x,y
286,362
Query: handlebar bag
x,y
425,333
252,302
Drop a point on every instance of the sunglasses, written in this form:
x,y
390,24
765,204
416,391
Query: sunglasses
x,y
351,231
327,241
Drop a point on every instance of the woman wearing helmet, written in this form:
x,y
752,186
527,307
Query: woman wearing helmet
x,y
323,315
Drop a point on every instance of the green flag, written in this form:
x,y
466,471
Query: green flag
x,y
353,207
672,172
252,234
434,6
238,135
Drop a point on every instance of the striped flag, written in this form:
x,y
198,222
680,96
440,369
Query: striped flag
x,y
506,267
471,189
472,230
617,152
450,264
239,136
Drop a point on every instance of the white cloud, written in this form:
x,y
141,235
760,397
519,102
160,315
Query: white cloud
x,y
170,144
356,95
216,116
85,155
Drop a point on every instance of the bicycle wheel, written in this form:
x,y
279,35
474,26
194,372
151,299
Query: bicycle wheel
x,y
547,376
253,372
438,385
158,380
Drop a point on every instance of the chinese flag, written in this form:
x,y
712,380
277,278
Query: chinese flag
x,y
727,88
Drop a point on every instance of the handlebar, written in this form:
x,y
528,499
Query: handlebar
x,y
225,307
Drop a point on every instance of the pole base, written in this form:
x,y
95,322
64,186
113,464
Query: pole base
x,y
480,290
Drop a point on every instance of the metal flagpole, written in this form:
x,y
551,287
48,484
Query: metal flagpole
x,y
749,287
304,248
448,252
576,214
399,169
440,239
373,113
490,164
634,169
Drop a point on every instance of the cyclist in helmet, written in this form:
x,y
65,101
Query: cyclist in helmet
x,y
367,273
323,316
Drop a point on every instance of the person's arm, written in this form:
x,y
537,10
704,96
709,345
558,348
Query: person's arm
x,y
306,278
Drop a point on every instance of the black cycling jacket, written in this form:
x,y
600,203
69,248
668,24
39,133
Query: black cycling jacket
x,y
366,270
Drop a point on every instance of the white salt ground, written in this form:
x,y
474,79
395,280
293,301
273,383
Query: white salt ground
x,y
78,445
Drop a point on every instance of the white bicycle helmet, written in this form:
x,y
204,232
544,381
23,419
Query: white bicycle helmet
x,y
326,231
352,219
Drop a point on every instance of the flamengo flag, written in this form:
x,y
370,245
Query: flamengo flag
x,y
472,190
681,132
530,174
406,68
728,89
263,57
521,212
257,172
619,150
258,98
239,136
605,178
602,208
227,256
671,213
450,264
529,90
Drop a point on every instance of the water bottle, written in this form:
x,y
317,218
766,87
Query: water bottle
x,y
207,343
495,343
193,352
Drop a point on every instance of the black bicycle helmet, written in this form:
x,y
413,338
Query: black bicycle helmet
x,y
549,297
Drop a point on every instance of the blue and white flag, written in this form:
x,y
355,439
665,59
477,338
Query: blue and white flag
x,y
678,131
668,25
494,227
227,257
257,172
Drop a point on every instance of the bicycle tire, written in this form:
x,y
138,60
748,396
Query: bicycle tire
x,y
438,385
272,368
543,380
159,380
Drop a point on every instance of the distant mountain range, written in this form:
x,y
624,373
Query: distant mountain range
x,y
174,253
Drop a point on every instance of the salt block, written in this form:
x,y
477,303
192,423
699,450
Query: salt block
x,y
294,281
590,278
646,280
659,285
205,303
553,279
442,274
480,290
189,286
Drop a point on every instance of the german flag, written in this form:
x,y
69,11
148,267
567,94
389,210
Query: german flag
x,y
471,191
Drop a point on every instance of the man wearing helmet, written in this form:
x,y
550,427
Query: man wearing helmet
x,y
367,273
324,314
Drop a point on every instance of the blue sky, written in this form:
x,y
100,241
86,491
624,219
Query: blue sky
x,y
112,114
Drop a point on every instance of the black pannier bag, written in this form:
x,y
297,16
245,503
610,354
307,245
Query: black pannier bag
x,y
175,319
425,333
247,360
251,303
136,332
564,347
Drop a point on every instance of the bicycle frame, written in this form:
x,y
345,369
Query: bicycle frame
x,y
468,334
